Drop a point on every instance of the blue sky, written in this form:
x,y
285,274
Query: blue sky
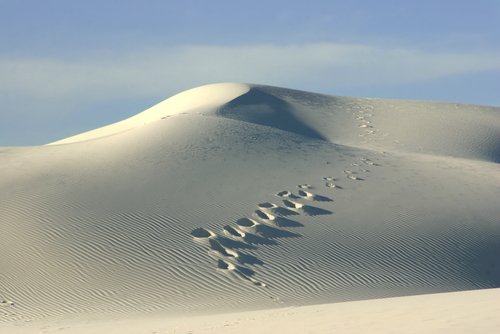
x,y
70,66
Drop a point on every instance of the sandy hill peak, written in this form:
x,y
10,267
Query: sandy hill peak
x,y
196,99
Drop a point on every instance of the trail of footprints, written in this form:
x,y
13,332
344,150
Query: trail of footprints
x,y
269,222
363,116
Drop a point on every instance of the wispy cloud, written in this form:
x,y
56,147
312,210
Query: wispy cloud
x,y
165,70
42,100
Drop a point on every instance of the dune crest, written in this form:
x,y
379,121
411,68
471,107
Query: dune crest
x,y
190,101
448,129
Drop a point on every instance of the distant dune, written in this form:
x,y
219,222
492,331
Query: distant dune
x,y
236,198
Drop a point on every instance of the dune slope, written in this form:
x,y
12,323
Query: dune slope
x,y
234,197
455,312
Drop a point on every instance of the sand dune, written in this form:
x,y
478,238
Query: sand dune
x,y
457,312
233,197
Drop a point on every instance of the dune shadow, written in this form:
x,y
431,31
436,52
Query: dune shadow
x,y
236,244
314,211
217,246
245,271
284,211
320,198
285,222
259,107
255,239
293,196
273,232
249,259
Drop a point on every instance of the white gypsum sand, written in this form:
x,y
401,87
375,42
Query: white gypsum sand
x,y
235,198
454,312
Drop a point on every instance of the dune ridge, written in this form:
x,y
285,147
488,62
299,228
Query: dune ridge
x,y
233,197
191,101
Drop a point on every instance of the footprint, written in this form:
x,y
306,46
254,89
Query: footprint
x,y
309,196
239,272
257,283
292,204
224,265
228,266
264,215
233,232
267,205
247,224
201,233
6,303
262,232
217,247
307,209
278,221
369,162
235,243
305,194
284,193
276,209
232,253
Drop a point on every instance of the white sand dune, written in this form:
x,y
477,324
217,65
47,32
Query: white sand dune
x,y
455,312
234,198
